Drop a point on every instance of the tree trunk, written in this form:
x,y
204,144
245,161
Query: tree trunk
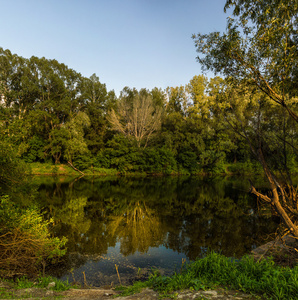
x,y
275,197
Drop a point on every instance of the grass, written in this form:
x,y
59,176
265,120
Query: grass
x,y
42,282
25,283
261,279
37,168
50,169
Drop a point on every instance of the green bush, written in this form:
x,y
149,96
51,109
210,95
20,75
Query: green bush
x,y
188,160
245,168
25,241
83,161
35,151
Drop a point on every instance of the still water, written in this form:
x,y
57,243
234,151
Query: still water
x,y
147,223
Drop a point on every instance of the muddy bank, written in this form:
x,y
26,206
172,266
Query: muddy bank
x,y
7,291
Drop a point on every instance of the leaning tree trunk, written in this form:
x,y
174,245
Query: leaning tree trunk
x,y
275,199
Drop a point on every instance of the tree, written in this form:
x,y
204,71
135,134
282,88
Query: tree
x,y
259,49
177,100
75,143
136,116
96,103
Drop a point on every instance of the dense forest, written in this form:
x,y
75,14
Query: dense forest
x,y
245,120
51,113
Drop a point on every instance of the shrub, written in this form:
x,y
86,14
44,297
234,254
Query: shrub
x,y
25,241
83,161
188,160
35,150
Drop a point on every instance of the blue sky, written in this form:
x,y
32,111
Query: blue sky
x,y
135,43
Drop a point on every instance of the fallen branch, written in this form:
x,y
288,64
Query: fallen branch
x,y
75,168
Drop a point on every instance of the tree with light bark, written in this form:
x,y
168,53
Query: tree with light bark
x,y
136,117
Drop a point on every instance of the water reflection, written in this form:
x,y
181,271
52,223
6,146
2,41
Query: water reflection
x,y
144,222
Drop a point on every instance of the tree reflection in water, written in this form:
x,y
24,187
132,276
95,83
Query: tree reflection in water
x,y
185,215
137,228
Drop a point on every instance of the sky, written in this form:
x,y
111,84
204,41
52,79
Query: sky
x,y
134,43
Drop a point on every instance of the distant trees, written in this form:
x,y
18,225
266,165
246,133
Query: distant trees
x,y
51,113
48,110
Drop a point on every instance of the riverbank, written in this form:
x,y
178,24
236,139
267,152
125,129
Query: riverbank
x,y
8,291
68,170
65,170
213,277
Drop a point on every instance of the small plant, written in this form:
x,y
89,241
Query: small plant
x,y
139,272
43,282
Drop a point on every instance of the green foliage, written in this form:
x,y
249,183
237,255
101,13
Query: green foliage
x,y
25,283
126,157
25,240
62,116
188,160
35,151
12,169
83,161
261,278
42,282
247,167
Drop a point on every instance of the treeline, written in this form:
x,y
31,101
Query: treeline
x,y
51,113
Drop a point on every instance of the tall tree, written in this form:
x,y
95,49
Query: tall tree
x,y
96,101
259,49
136,116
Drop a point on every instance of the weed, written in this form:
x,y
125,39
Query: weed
x,y
133,289
42,282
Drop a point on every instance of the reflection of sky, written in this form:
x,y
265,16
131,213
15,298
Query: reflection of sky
x,y
165,260
157,232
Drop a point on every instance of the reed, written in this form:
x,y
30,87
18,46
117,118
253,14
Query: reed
x,y
118,274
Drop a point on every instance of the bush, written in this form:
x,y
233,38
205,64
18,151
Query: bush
x,y
188,160
247,167
25,241
35,151
83,161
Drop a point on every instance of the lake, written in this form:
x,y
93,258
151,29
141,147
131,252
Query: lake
x,y
142,224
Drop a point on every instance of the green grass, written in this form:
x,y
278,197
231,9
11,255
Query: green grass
x,y
42,282
50,169
37,168
6,294
25,283
39,282
262,278
100,171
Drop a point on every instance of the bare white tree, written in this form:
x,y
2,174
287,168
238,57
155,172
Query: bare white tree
x,y
138,118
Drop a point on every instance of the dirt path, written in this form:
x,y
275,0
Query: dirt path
x,y
7,291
